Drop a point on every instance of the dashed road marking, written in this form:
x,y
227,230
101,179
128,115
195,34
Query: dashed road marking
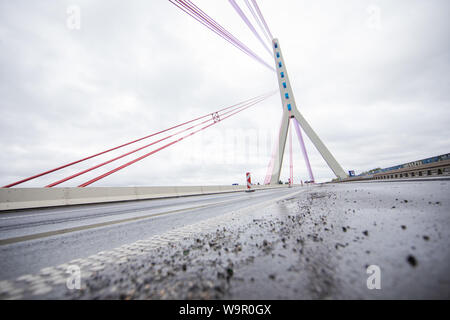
x,y
49,278
104,224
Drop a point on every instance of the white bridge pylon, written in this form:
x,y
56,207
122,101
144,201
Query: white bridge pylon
x,y
290,111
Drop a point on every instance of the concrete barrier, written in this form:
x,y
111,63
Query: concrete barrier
x,y
27,198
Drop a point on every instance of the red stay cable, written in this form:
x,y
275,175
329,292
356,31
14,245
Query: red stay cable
x,y
118,147
163,147
141,148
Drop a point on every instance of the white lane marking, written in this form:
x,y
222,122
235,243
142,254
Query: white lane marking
x,y
38,285
122,206
132,218
83,227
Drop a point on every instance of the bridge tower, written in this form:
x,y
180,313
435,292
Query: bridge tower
x,y
290,111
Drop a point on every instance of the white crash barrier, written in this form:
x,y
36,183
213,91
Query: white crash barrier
x,y
26,198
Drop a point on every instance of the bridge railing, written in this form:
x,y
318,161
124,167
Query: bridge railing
x,y
27,198
429,170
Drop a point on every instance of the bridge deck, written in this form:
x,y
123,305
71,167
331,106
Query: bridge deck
x,y
311,242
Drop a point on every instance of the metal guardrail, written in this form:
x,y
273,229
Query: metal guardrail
x,y
436,169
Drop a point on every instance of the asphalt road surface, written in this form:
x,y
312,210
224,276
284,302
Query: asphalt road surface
x,y
302,243
33,239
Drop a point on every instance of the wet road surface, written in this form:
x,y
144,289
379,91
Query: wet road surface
x,y
313,243
33,239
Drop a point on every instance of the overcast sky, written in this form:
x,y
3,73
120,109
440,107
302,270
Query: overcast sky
x,y
371,77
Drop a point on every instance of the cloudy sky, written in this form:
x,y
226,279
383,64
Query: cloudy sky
x,y
371,77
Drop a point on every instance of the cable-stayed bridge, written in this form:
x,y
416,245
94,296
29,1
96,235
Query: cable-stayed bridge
x,y
53,233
